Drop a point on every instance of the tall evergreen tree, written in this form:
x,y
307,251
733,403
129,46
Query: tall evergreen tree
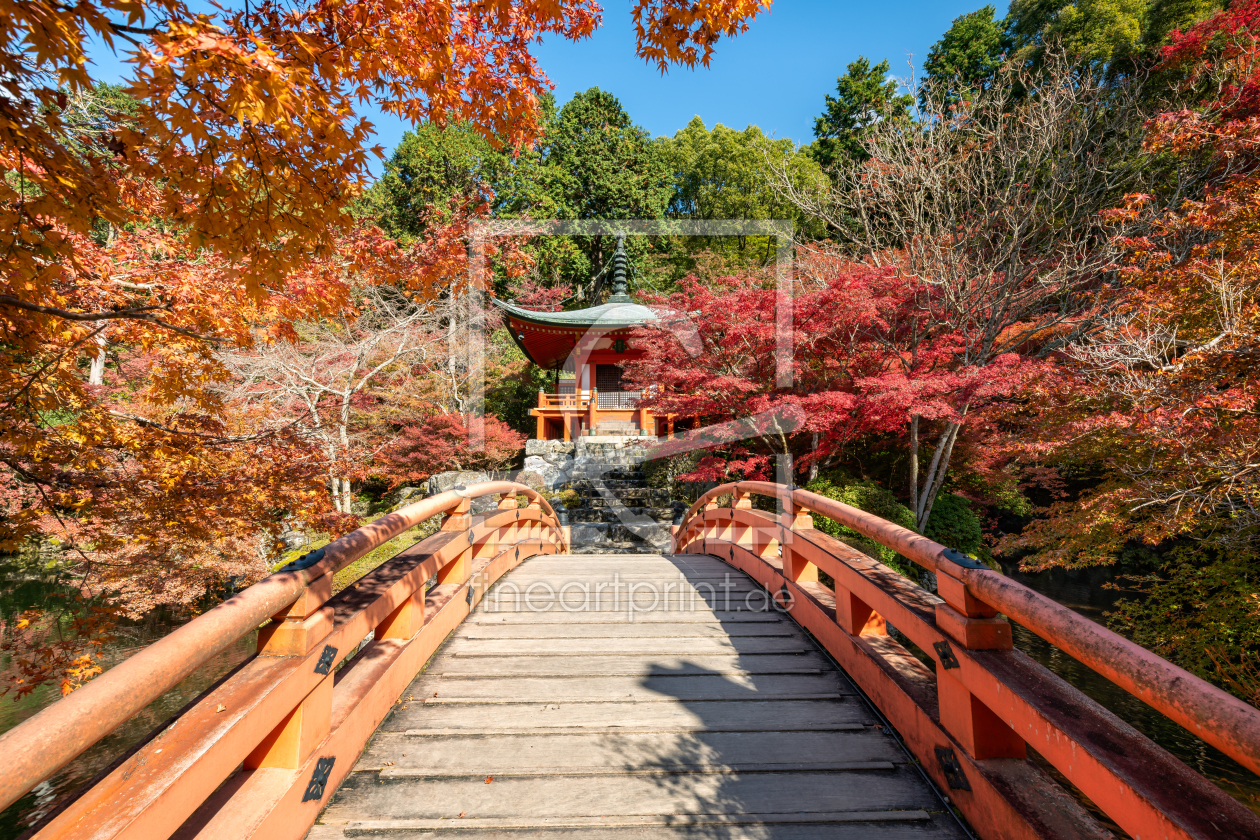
x,y
864,95
432,167
966,57
593,163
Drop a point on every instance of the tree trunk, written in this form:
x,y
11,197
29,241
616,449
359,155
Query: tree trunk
x,y
96,374
939,468
914,462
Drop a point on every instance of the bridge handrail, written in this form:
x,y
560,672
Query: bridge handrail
x,y
44,743
1219,718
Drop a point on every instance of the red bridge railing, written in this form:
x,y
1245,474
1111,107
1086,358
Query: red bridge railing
x,y
258,754
971,720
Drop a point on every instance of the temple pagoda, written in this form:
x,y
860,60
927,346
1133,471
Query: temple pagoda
x,y
590,345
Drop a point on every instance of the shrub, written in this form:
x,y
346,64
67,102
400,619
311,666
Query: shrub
x,y
870,497
953,524
442,443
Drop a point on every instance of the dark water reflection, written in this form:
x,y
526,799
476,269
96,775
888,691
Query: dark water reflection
x,y
17,818
1084,591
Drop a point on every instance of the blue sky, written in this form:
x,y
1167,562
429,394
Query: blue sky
x,y
775,75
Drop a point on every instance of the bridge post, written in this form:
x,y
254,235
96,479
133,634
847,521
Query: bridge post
x,y
507,535
710,531
742,535
855,616
295,739
406,620
457,519
973,625
795,566
297,630
534,530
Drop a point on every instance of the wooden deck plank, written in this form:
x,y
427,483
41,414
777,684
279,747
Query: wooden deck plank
x,y
736,715
620,646
496,666
493,755
656,687
659,629
770,827
684,717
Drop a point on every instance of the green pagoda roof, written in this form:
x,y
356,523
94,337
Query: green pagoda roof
x,y
611,314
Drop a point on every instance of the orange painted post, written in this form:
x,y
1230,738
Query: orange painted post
x,y
534,528
972,625
855,616
459,519
508,534
542,425
981,733
796,567
295,739
592,410
968,620
297,630
742,535
711,527
406,620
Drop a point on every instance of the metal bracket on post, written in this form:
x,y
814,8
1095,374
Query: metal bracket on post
x,y
946,654
966,561
319,779
305,561
953,771
326,660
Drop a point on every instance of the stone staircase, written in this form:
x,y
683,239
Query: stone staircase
x,y
616,427
619,513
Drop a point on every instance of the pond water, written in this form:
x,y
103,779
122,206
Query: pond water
x,y
20,590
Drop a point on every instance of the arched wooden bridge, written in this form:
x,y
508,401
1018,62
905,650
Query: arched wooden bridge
x,y
690,694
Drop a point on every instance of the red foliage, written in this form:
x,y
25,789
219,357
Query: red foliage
x,y
868,349
1163,403
448,442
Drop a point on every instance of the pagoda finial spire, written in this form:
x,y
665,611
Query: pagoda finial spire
x,y
620,263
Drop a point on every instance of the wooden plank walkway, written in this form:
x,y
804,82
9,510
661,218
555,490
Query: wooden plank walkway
x,y
695,713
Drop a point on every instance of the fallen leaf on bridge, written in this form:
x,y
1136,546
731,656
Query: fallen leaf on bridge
x,y
220,708
489,779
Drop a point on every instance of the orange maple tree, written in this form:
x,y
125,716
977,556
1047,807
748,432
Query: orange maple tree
x,y
1158,426
212,214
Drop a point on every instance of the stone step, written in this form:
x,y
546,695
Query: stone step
x,y
608,482
635,477
611,516
600,500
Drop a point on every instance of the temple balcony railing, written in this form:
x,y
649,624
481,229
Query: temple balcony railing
x,y
619,400
570,402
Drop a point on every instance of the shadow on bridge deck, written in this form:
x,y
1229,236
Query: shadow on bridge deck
x,y
561,708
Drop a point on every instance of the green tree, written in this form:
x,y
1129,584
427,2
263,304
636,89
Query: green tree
x,y
864,96
433,166
1163,17
1106,34
722,174
593,163
966,57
